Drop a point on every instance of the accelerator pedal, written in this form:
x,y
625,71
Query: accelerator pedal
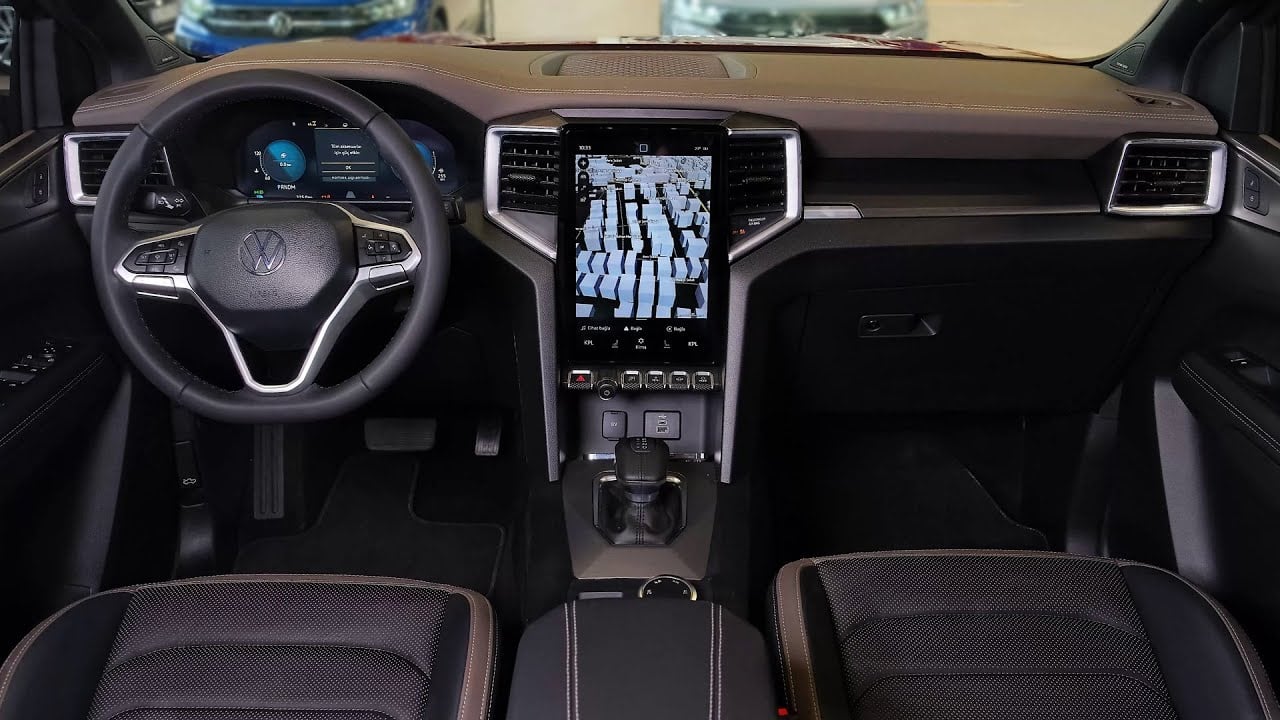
x,y
489,435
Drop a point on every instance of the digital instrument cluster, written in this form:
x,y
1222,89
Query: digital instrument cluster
x,y
643,247
330,159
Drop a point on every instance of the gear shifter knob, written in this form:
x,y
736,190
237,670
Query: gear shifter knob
x,y
641,467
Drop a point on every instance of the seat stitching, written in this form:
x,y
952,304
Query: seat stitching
x,y
577,701
777,634
711,669
640,93
466,673
719,662
786,643
804,642
1226,621
568,668
1231,407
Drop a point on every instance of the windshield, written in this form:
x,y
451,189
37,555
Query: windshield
x,y
1044,29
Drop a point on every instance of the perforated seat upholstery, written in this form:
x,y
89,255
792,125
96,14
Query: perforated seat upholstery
x,y
259,648
986,634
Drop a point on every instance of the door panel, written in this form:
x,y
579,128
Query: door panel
x,y
57,377
1201,415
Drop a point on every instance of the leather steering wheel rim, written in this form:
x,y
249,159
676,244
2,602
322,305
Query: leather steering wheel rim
x,y
111,239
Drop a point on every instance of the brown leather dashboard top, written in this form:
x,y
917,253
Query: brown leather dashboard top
x,y
848,105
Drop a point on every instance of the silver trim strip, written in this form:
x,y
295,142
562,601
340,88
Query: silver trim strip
x,y
71,164
1213,194
1254,156
492,168
791,147
832,212
178,287
14,169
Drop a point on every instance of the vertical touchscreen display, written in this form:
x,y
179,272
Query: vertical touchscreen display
x,y
643,245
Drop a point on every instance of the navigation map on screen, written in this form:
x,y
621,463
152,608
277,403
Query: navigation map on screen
x,y
643,226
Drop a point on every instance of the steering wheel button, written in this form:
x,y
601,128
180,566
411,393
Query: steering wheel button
x,y
384,277
394,247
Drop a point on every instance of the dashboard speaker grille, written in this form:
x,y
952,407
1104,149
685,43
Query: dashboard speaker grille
x,y
757,175
529,173
95,156
645,64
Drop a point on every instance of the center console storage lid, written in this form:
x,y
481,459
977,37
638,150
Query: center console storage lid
x,y
635,659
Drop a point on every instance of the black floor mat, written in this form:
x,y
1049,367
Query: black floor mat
x,y
369,527
863,491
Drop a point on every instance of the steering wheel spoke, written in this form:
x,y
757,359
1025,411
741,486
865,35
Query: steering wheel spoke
x,y
155,266
387,253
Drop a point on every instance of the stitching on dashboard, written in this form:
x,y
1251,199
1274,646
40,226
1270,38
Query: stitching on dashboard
x,y
1231,407
186,79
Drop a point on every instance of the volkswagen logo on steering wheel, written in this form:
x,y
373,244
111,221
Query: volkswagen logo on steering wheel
x,y
262,252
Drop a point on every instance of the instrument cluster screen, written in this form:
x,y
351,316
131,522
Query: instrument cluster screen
x,y
643,244
328,159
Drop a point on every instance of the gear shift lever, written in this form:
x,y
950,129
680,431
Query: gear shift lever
x,y
641,468
640,507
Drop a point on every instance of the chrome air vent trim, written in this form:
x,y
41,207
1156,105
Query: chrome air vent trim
x,y
1214,186
509,220
794,205
71,163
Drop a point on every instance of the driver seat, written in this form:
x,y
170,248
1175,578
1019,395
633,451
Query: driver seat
x,y
253,647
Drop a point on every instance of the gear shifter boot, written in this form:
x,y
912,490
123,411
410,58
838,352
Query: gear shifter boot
x,y
626,523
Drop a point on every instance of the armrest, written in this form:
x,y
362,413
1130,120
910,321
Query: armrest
x,y
641,659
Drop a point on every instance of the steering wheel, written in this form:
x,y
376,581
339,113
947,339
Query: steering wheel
x,y
280,275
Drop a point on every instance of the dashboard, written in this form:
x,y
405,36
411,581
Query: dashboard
x,y
323,158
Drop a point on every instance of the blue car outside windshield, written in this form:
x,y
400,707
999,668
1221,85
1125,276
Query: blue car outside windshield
x,y
214,27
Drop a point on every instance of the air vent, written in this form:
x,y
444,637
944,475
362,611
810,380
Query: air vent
x,y
89,155
529,172
757,175
1156,101
1169,177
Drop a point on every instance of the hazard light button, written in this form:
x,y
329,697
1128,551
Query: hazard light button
x,y
581,379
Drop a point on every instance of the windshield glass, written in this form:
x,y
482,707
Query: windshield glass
x,y
1045,29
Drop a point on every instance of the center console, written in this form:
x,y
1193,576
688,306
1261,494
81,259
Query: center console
x,y
640,217
630,220
642,278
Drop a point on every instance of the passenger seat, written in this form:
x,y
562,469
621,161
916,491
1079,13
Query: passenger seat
x,y
991,634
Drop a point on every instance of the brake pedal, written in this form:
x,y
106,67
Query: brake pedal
x,y
400,434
